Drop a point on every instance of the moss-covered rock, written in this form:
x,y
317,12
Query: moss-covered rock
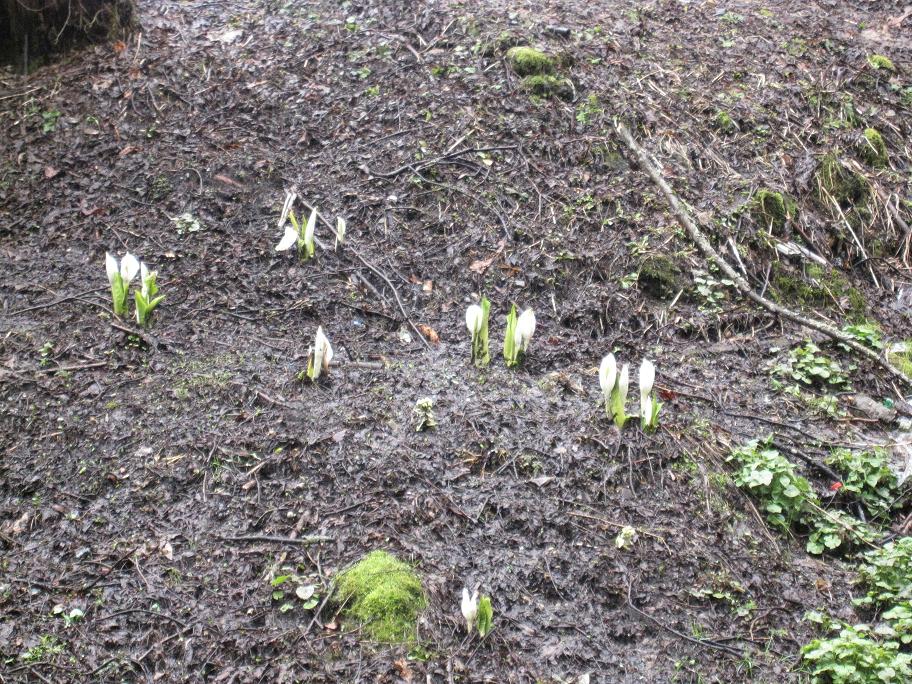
x,y
546,85
527,61
773,209
836,180
881,62
384,595
660,277
872,148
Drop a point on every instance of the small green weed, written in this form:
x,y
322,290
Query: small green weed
x,y
811,367
855,657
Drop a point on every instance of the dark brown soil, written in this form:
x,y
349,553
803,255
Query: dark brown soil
x,y
150,479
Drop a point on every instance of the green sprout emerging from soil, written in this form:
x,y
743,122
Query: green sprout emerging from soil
x,y
384,595
303,238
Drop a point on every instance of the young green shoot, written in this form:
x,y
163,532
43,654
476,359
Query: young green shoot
x,y
518,335
485,617
147,298
477,323
320,356
296,236
119,276
649,407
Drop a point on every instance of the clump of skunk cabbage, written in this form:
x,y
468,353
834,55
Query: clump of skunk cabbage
x,y
302,237
147,297
519,333
320,356
477,612
477,323
120,275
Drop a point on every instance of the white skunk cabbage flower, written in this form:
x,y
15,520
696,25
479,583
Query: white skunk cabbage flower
x,y
608,375
323,351
127,269
309,229
623,382
525,328
474,319
340,231
647,379
469,608
144,278
119,276
289,239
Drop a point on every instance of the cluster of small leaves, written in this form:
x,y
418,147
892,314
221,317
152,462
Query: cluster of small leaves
x,y
867,475
788,499
304,591
811,367
711,291
898,623
838,531
887,574
855,656
868,334
772,480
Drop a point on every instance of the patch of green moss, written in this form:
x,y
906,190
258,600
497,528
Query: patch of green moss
x,y
872,148
881,62
527,61
724,122
660,277
844,185
820,288
546,85
773,209
384,595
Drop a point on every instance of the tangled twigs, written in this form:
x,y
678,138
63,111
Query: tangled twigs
x,y
711,254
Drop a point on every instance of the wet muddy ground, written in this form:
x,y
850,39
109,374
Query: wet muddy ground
x,y
158,480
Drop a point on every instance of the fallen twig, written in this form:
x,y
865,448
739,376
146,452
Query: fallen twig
x,y
711,254
302,541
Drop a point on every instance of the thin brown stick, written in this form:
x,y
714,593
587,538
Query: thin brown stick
x,y
711,254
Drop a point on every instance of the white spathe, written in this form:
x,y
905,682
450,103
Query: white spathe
x,y
289,239
608,374
469,608
323,353
624,381
340,230
310,227
474,316
647,379
111,266
525,328
129,267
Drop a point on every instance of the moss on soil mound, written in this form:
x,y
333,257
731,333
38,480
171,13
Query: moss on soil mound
x,y
773,209
527,61
873,149
845,186
660,277
384,595
820,289
546,85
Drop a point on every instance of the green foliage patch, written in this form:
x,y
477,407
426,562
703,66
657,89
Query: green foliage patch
x,y
384,595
